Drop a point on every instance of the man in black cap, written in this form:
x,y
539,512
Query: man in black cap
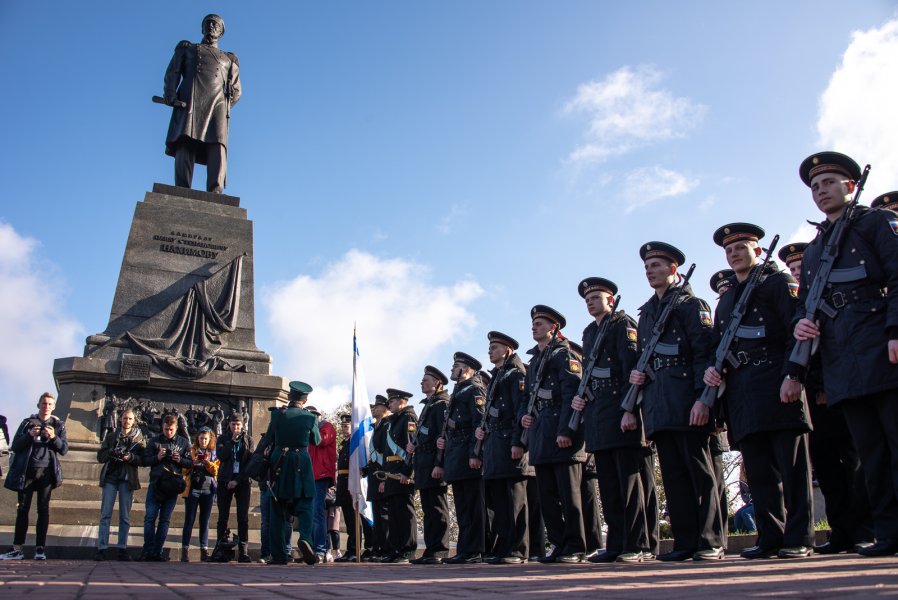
x,y
859,347
619,455
889,200
399,491
345,500
381,547
685,348
766,412
833,457
722,280
459,465
555,451
234,450
433,492
505,464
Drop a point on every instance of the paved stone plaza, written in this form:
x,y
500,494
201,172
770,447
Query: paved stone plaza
x,y
831,576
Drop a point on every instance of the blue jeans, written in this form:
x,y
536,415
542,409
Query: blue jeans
x,y
265,509
125,495
319,516
154,535
191,502
744,519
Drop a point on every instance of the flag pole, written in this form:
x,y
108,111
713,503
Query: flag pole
x,y
358,535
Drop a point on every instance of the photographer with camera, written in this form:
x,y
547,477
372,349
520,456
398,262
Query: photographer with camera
x,y
120,453
37,445
234,451
166,454
200,491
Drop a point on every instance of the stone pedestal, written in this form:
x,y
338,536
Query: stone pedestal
x,y
178,237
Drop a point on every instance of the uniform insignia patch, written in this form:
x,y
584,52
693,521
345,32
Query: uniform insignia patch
x,y
479,400
793,289
631,334
521,385
894,225
411,426
705,317
574,365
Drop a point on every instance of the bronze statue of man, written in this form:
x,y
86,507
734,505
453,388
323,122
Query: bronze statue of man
x,y
201,85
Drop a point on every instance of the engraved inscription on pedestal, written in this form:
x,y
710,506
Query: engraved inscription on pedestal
x,y
135,368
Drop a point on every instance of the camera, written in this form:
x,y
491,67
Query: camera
x,y
168,452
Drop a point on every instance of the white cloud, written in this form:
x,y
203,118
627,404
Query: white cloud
x,y
456,211
647,184
402,317
628,110
33,325
857,109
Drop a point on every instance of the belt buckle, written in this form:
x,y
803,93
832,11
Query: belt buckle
x,y
838,299
657,363
742,357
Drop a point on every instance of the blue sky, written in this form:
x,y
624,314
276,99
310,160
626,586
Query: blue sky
x,y
429,170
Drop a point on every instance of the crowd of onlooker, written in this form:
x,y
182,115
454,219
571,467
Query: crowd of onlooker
x,y
200,469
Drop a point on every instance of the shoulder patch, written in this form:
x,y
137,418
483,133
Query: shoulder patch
x,y
412,426
574,365
479,400
705,317
632,335
893,223
521,384
793,289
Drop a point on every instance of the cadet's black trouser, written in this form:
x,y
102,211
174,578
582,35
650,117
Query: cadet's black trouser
x,y
535,526
623,498
381,527
435,506
592,521
692,500
470,513
403,532
873,421
560,503
779,476
509,500
652,517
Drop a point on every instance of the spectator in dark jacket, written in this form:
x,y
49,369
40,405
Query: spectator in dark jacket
x,y
165,452
120,454
234,451
35,469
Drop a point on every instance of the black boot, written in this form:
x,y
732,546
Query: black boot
x,y
184,557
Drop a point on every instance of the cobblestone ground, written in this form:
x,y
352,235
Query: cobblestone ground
x,y
831,576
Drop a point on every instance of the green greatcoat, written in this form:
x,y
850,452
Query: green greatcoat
x,y
293,430
293,485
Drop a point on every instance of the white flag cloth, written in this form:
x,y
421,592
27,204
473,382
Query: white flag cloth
x,y
362,432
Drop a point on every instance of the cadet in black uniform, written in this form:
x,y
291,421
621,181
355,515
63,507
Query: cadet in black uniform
x,y
833,457
722,280
889,200
381,546
459,465
344,498
619,455
859,348
589,493
683,449
505,465
766,412
555,451
433,492
400,493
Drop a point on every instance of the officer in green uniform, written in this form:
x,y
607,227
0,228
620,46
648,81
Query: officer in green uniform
x,y
290,432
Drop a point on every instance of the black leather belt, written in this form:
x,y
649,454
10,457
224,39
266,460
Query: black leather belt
x,y
541,405
497,425
661,361
755,356
841,298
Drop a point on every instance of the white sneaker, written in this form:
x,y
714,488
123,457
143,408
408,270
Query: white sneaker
x,y
328,557
12,555
39,554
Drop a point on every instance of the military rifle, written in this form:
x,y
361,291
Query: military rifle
x,y
537,381
815,303
596,351
442,452
725,347
490,394
634,394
